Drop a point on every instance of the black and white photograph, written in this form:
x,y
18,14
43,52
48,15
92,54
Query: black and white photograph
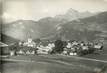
x,y
53,36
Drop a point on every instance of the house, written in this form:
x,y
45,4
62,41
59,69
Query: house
x,y
4,48
3,45
29,43
42,50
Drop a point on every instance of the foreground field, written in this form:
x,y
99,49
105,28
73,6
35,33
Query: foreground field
x,y
92,63
51,64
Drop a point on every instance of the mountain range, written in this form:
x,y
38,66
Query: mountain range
x,y
89,28
71,25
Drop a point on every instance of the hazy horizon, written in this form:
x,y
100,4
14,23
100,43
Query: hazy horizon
x,y
37,9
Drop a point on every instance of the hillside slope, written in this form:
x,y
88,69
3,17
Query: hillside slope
x,y
88,28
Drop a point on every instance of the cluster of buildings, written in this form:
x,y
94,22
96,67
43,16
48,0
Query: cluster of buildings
x,y
31,47
81,48
69,47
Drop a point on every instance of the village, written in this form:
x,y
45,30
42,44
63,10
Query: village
x,y
70,47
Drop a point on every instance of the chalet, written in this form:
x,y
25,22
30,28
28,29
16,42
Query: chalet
x,y
3,45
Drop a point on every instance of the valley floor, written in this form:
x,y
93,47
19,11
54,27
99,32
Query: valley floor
x,y
51,64
55,63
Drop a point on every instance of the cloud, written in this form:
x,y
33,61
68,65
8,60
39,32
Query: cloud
x,y
8,17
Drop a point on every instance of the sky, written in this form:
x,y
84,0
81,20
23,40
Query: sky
x,y
36,9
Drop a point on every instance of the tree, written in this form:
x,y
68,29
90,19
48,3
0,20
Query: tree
x,y
58,47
